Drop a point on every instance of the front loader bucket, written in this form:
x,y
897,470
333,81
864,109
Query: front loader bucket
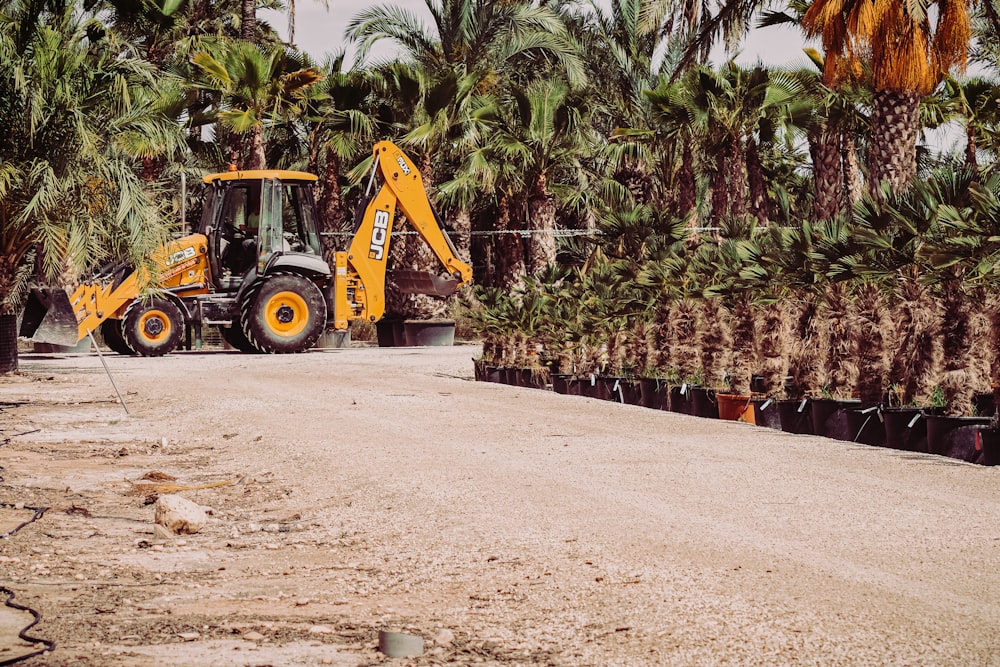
x,y
423,282
48,318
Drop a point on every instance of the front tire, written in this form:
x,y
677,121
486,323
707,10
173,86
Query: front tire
x,y
284,313
153,327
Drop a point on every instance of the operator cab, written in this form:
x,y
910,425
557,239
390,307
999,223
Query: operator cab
x,y
253,217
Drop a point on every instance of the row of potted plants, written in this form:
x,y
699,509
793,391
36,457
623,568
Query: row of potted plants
x,y
925,430
895,307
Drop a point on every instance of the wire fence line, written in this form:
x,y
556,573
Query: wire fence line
x,y
558,233
499,232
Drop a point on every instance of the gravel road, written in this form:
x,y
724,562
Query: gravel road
x,y
504,525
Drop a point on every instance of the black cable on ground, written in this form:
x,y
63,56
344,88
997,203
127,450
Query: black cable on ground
x,y
39,511
23,634
49,645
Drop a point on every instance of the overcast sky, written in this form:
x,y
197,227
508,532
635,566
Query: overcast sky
x,y
319,31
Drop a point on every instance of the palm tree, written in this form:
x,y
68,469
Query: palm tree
x,y
339,128
79,118
475,36
907,48
257,87
975,102
544,132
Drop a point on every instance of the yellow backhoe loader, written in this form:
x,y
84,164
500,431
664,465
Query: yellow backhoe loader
x,y
255,269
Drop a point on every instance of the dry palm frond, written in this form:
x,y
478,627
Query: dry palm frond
x,y
773,345
684,351
714,340
741,316
917,350
870,322
840,372
806,352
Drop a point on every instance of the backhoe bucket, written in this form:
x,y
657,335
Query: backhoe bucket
x,y
48,318
423,282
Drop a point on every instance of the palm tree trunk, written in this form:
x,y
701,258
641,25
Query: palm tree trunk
x,y
828,174
971,149
772,346
757,183
508,250
256,159
461,234
741,315
729,184
840,373
715,341
687,188
852,170
917,347
871,325
248,20
542,223
892,155
332,215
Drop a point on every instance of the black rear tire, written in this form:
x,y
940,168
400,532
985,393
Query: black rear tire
x,y
236,338
153,327
284,313
111,332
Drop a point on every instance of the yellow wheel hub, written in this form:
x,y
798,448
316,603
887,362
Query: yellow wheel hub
x,y
154,326
286,314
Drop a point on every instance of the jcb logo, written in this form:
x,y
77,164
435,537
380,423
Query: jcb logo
x,y
180,256
402,165
380,234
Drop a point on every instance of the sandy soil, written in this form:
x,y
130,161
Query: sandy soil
x,y
370,489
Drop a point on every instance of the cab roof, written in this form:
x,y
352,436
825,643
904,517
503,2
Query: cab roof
x,y
261,174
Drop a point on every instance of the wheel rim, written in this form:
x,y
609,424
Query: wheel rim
x,y
154,327
286,314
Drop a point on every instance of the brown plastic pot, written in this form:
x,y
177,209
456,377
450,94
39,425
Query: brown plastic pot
x,y
735,407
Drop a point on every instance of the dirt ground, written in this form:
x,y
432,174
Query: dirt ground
x,y
381,488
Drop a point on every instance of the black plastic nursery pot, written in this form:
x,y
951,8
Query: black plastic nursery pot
x,y
989,442
532,378
905,429
829,417
681,400
595,387
560,383
8,343
866,426
494,374
654,393
623,390
390,333
429,333
765,413
795,416
705,404
954,437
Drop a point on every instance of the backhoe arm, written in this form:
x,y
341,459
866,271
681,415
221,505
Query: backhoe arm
x,y
361,291
402,178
